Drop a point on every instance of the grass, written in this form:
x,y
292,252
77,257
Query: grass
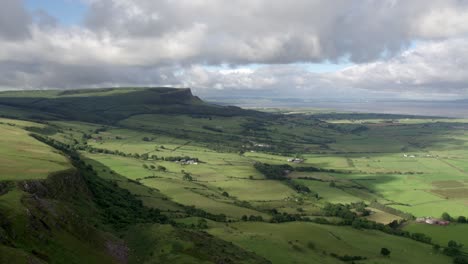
x,y
188,193
166,244
312,243
255,190
381,216
330,194
23,157
441,234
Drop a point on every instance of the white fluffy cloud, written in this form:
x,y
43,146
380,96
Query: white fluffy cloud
x,y
266,31
183,43
430,69
439,66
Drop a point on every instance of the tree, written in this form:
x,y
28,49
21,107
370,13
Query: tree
x,y
187,177
461,219
385,252
161,168
446,216
225,194
145,166
332,184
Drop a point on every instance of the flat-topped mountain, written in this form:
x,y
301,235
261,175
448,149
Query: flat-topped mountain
x,y
112,104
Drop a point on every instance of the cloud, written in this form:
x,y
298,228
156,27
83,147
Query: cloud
x,y
265,31
210,45
436,67
430,70
14,20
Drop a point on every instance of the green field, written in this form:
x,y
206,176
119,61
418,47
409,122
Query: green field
x,y
312,243
442,234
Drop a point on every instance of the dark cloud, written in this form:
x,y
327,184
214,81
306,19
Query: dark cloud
x,y
26,75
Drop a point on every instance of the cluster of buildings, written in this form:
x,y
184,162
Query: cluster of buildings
x,y
432,221
187,162
296,160
414,156
261,145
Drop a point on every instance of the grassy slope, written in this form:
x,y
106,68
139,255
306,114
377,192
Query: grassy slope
x,y
24,236
442,234
312,243
23,157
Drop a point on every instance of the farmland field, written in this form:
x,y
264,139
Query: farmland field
x,y
442,234
295,188
307,242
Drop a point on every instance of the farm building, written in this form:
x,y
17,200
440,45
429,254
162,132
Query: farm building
x,y
296,160
431,221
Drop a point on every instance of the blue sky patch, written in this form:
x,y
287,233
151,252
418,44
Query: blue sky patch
x,y
67,12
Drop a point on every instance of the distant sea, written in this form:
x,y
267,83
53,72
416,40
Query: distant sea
x,y
455,109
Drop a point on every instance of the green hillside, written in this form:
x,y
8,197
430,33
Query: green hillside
x,y
156,175
61,214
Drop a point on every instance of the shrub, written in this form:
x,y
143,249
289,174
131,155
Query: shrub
x,y
384,252
453,249
460,260
187,177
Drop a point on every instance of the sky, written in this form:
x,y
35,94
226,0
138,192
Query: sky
x,y
359,49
